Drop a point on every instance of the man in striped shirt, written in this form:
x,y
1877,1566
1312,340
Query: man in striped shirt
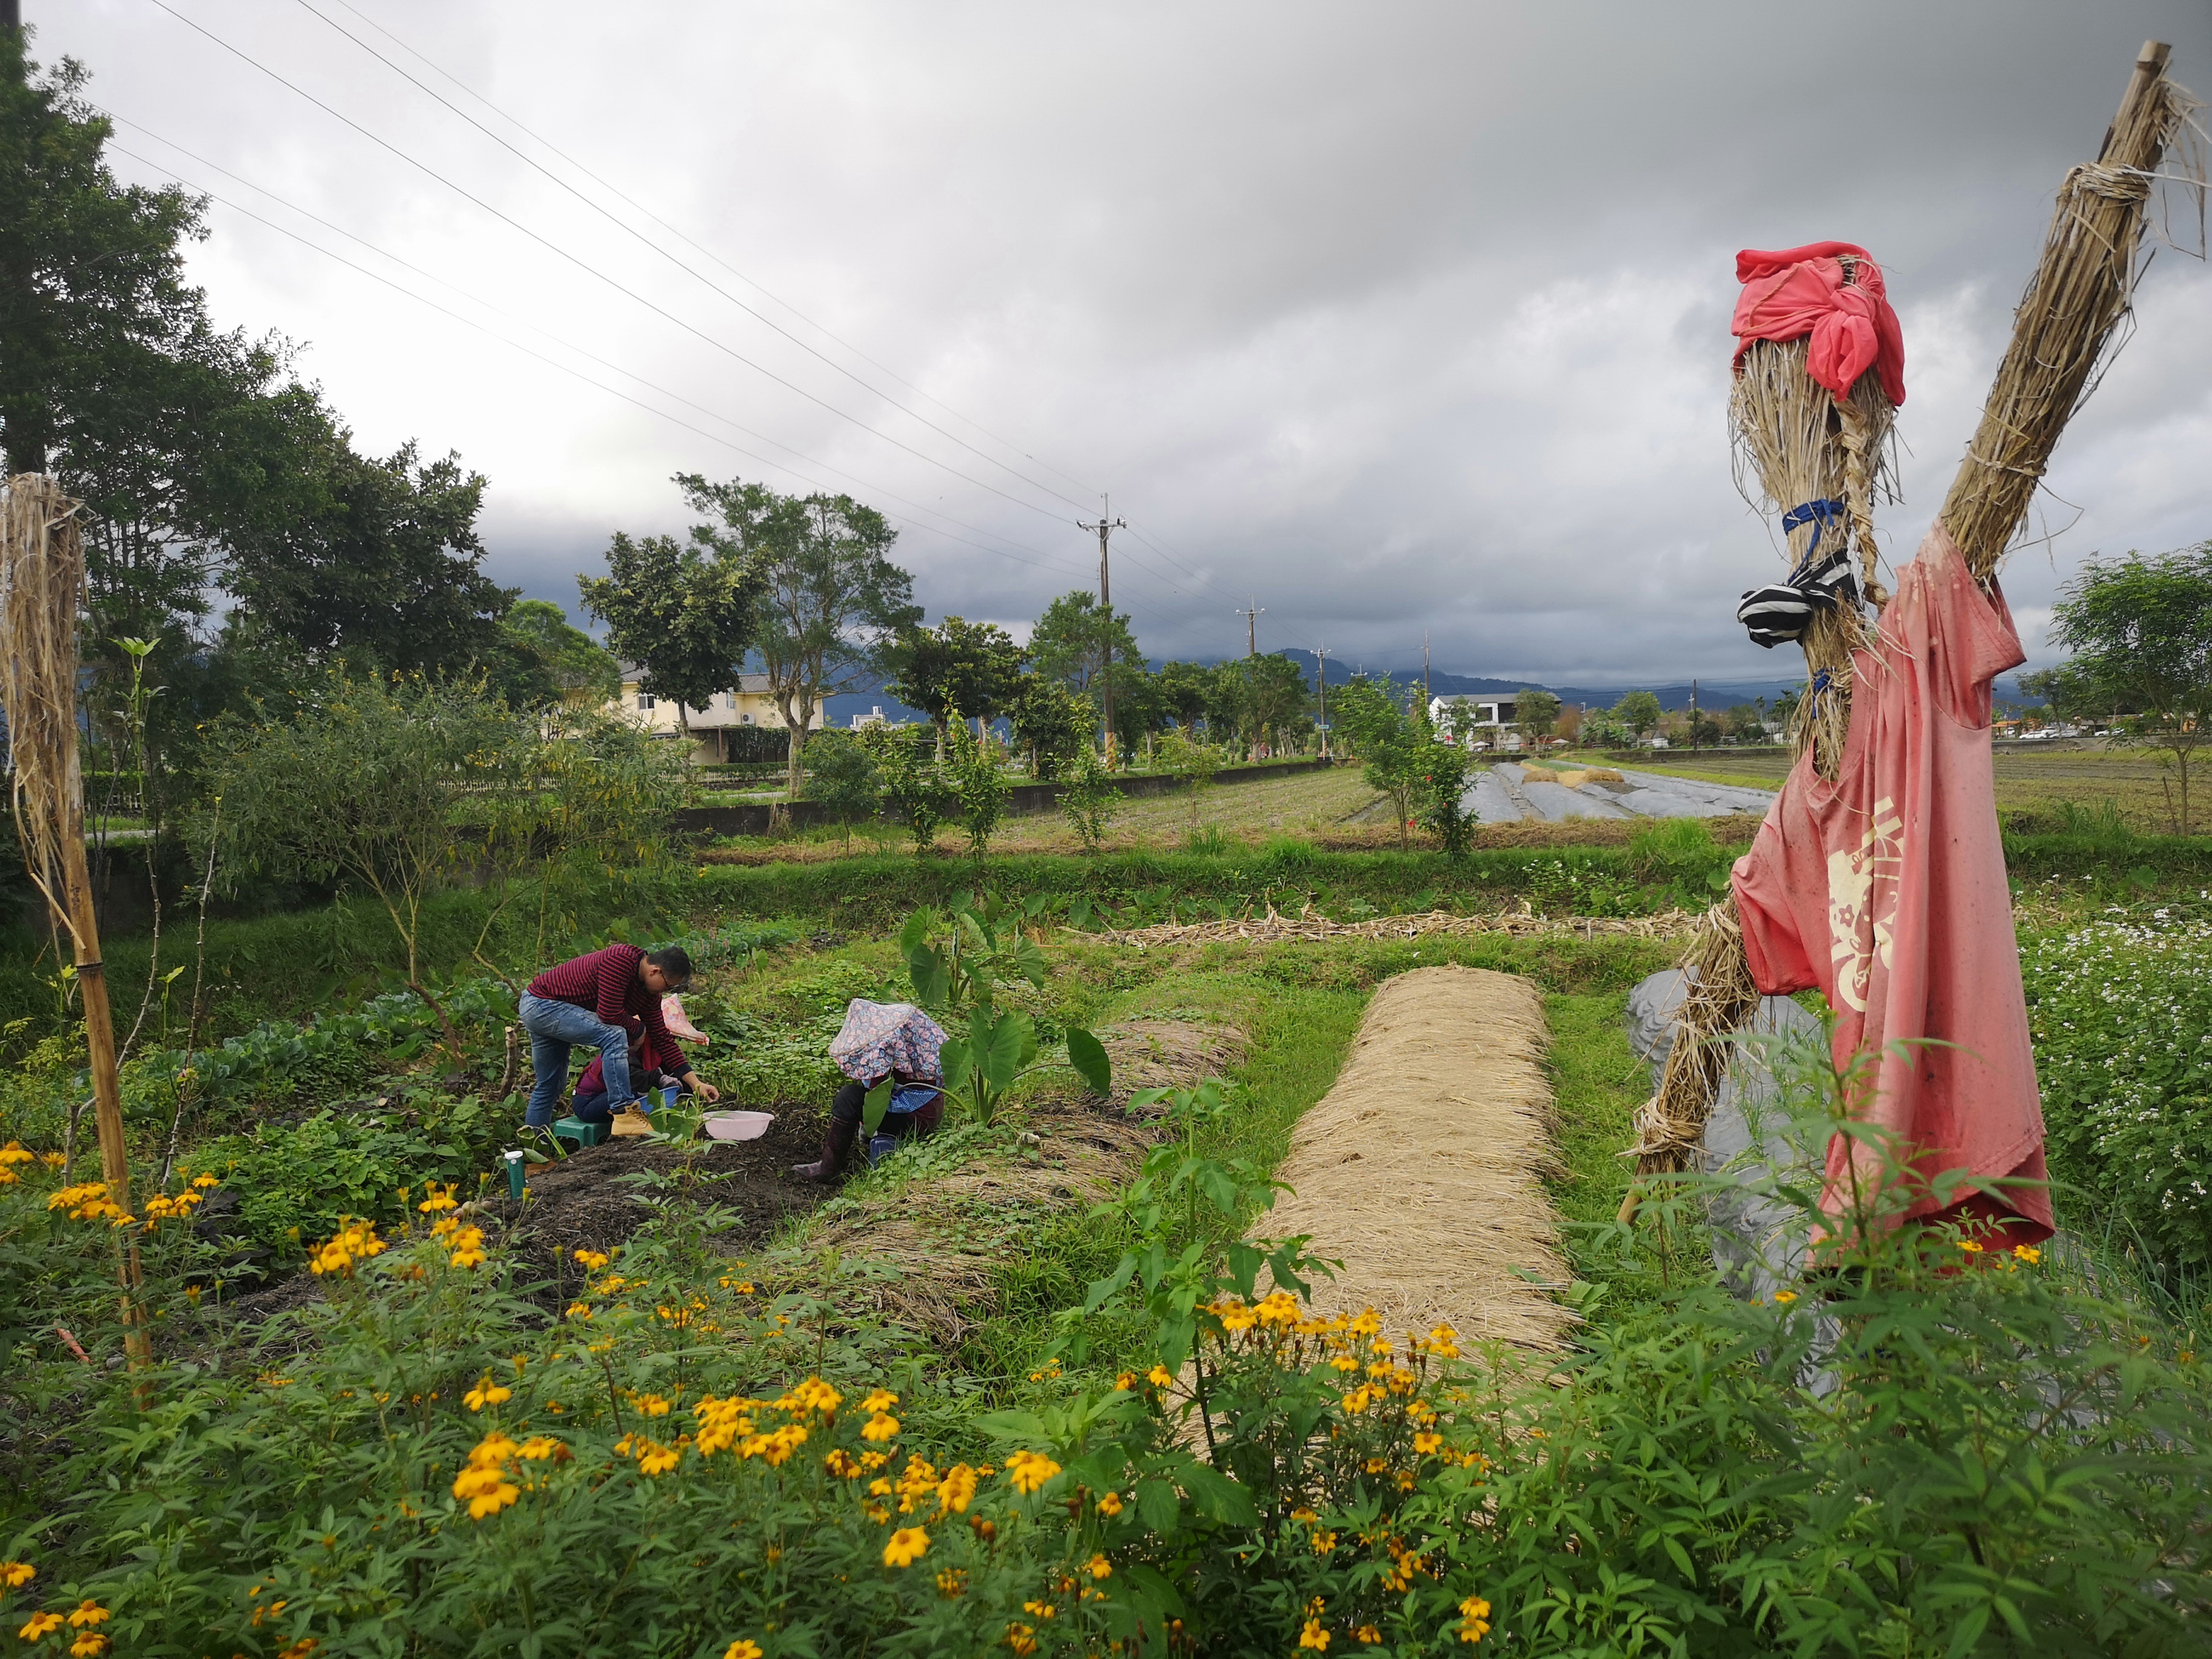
x,y
597,1001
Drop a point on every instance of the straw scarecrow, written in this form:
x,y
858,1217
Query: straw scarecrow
x,y
41,582
1811,409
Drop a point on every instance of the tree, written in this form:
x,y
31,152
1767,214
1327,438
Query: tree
x,y
1089,800
1051,722
973,667
1393,746
1262,696
581,673
843,777
829,600
979,786
1536,713
1441,803
1639,711
682,616
1076,638
912,783
1189,690
1745,721
2140,632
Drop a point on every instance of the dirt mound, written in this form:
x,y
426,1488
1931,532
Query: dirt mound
x,y
1421,1171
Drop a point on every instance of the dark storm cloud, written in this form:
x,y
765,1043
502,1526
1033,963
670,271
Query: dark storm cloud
x,y
1392,319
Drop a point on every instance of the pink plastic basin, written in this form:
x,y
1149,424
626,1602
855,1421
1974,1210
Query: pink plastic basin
x,y
739,1126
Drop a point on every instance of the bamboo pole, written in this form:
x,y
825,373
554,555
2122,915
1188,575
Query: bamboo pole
x,y
41,584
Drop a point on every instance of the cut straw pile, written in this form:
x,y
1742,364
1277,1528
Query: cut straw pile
x,y
41,576
1314,928
1421,1171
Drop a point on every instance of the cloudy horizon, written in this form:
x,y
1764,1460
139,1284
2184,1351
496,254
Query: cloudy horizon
x,y
1393,322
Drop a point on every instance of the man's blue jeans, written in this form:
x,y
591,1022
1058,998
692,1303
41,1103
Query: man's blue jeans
x,y
555,1028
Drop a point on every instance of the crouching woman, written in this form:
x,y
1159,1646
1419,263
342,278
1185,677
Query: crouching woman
x,y
880,1040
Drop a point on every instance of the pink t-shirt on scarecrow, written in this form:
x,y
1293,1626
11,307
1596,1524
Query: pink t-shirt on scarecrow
x,y
1886,890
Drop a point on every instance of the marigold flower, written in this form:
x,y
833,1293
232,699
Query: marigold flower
x,y
1022,1640
539,1447
880,1427
953,1581
1159,1377
88,1614
1100,1567
486,1393
743,1648
655,1458
13,1152
438,1199
1109,1505
881,1401
87,1645
1367,1634
594,1259
467,1248
1970,1247
1784,1298
1041,1609
206,1180
957,1490
7,1177
2027,1253
1476,1624
1124,1383
579,1311
1029,1470
41,1625
1313,1636
907,1545
651,1404
13,1575
1426,1442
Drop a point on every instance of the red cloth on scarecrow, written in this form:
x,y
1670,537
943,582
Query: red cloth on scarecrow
x,y
1800,292
1886,890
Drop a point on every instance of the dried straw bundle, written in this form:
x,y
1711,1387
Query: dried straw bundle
x,y
2080,293
1803,445
1720,998
41,577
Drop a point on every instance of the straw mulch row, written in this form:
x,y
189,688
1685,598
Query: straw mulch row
x,y
1310,925
1421,1172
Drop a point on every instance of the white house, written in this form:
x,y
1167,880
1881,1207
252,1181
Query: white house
x,y
749,705
1490,722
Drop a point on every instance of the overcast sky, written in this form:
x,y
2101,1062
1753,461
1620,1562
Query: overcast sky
x,y
1389,319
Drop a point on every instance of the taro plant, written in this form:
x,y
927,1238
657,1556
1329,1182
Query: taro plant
x,y
981,948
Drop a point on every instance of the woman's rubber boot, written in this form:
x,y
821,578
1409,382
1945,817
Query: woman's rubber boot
x,y
837,1147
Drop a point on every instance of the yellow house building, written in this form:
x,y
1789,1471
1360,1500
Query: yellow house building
x,y
750,705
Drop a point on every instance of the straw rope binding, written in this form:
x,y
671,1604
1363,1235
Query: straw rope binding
x,y
41,581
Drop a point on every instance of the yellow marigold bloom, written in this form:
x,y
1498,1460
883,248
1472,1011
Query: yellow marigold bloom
x,y
743,1648
1124,1383
205,1181
1280,1307
593,1260
1041,1609
655,1458
539,1447
1099,1567
839,1463
468,1249
1109,1505
2027,1252
439,1199
907,1545
1238,1319
951,1582
1367,1634
1160,1376
9,1177
1476,1624
88,1614
40,1625
651,1404
13,1152
1425,1443
486,1393
13,1575
813,1396
882,1426
880,1487
1022,1640
1029,1470
485,1489
579,1311
1358,1400
1313,1636
881,1401
1324,1542
957,1490
1784,1298
87,1645
1970,1247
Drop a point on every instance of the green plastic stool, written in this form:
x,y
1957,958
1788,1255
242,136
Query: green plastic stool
x,y
584,1135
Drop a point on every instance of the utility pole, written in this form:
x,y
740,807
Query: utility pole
x,y
1252,627
1693,717
11,14
1105,527
1425,666
1321,679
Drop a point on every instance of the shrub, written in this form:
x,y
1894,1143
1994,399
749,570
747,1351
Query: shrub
x,y
1088,799
2121,1014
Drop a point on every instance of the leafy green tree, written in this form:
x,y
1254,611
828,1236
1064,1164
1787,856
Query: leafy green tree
x,y
1441,803
1190,692
1195,764
979,785
843,777
1051,722
364,785
1395,747
682,616
581,672
973,667
912,785
1535,713
1075,640
828,603
1088,797
2140,632
1260,698
1639,711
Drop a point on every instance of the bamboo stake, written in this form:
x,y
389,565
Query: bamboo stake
x,y
41,583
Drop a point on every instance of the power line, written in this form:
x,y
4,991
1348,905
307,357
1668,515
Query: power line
x,y
696,276
629,201
591,270
565,368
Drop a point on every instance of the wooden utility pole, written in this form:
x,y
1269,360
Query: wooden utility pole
x,y
1252,627
1321,679
1105,527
